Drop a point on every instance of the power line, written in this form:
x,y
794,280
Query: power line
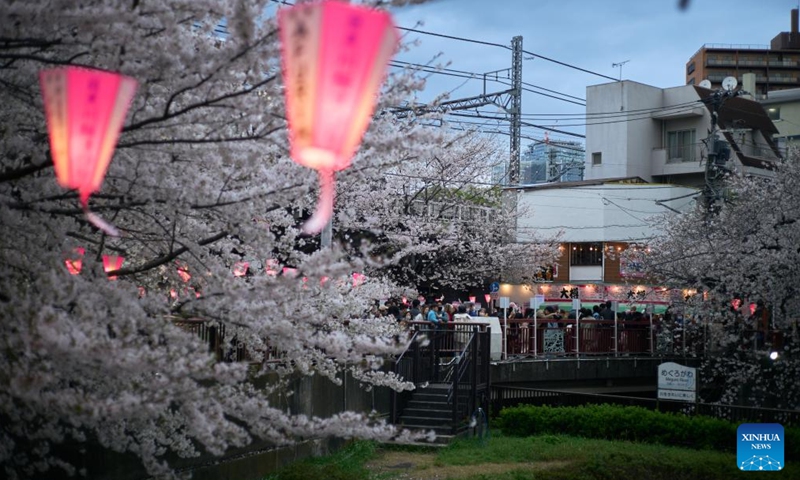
x,y
453,37
481,76
569,65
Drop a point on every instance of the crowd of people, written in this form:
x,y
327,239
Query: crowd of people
x,y
437,314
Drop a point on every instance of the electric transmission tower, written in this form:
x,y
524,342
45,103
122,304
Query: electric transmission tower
x,y
509,101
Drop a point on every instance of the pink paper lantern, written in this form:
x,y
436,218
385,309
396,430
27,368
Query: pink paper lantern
x,y
358,279
272,267
183,272
472,298
75,265
85,110
289,272
488,298
112,263
334,60
240,269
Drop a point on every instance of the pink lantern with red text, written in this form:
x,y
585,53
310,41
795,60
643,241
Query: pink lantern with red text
x,y
85,110
334,60
112,263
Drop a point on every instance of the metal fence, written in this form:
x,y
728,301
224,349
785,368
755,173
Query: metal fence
x,y
587,338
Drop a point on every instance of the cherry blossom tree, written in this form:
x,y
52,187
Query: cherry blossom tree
x,y
435,219
744,250
200,182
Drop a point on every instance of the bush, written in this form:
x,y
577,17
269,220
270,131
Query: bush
x,y
631,423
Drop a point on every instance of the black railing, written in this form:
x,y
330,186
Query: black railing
x,y
590,338
471,376
406,366
457,355
507,396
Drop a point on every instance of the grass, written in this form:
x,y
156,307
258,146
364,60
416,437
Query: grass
x,y
542,457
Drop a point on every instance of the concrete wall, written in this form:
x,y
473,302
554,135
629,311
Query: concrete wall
x,y
570,370
625,141
597,213
313,396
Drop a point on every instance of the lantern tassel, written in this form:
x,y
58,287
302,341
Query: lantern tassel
x,y
324,209
95,219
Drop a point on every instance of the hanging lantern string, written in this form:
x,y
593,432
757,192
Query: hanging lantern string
x,y
95,219
324,211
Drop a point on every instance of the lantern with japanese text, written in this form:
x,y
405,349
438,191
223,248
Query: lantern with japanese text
x,y
112,263
85,110
334,60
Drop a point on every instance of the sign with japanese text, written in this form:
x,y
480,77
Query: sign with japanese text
x,y
677,382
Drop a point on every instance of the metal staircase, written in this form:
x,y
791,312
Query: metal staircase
x,y
451,373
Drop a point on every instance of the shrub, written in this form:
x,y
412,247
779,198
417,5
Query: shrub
x,y
631,423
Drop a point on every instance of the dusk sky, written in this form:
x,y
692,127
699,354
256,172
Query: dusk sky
x,y
657,38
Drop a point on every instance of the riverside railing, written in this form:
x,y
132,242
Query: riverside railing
x,y
547,338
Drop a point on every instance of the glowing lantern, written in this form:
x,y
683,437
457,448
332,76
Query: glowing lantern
x,y
85,110
334,59
240,269
74,265
183,272
488,298
472,299
112,263
358,279
736,303
289,272
272,267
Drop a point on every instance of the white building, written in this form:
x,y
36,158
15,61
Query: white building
x,y
658,134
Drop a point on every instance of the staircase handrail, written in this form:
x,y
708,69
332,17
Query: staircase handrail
x,y
460,367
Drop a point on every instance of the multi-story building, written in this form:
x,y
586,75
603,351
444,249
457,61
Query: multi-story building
x,y
646,155
660,135
552,161
597,220
776,66
783,108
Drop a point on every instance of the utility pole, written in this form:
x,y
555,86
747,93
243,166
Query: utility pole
x,y
719,152
516,109
509,101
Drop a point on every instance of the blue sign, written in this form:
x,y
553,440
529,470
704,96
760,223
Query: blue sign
x,y
759,447
494,287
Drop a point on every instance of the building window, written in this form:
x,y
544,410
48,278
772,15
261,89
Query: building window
x,y
690,82
597,158
774,113
681,145
585,254
690,68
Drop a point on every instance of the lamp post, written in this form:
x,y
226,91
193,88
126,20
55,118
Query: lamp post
x,y
334,60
